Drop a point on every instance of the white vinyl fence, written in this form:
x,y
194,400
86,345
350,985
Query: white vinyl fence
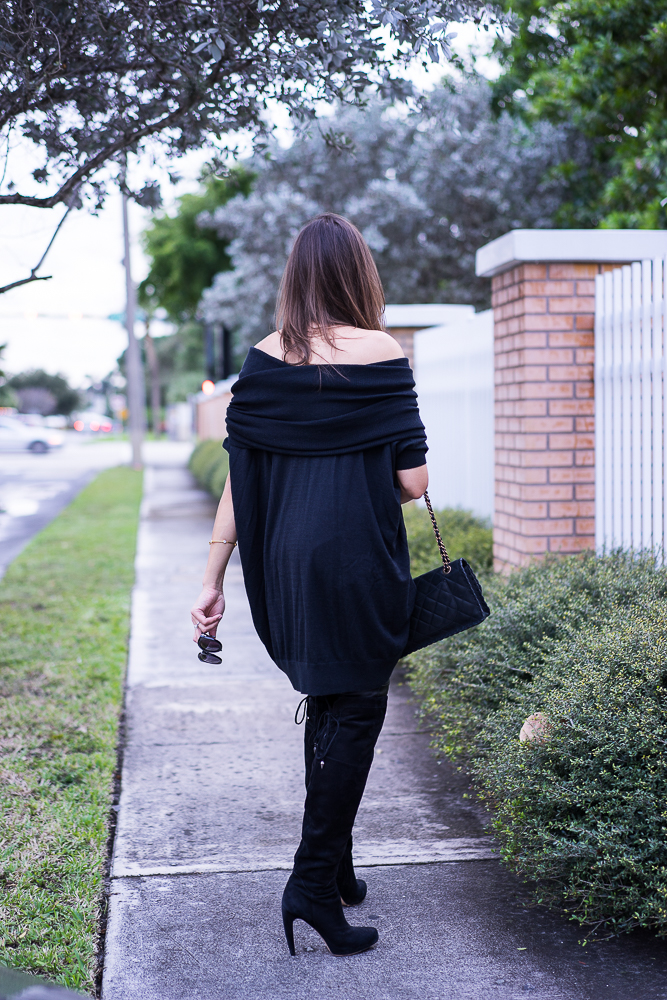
x,y
630,407
454,377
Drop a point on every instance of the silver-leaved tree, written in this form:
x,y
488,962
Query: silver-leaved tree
x,y
87,83
427,189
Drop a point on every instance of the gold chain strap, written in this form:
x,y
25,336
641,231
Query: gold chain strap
x,y
446,565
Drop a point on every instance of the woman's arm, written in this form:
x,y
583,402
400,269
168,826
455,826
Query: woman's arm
x,y
413,482
210,604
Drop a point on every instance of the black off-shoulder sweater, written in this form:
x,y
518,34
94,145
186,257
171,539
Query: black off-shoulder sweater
x,y
313,455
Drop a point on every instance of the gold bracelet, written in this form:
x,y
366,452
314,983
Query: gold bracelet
x,y
222,541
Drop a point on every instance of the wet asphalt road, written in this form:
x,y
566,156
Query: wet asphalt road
x,y
35,488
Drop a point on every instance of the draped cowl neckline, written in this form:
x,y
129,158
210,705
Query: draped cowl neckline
x,y
322,410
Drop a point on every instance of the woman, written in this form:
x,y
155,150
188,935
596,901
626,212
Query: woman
x,y
325,443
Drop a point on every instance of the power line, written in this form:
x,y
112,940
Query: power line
x,y
73,316
26,314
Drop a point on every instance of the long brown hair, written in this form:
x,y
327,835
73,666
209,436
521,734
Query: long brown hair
x,y
330,280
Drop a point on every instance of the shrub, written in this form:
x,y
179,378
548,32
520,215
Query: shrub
x,y
463,679
584,810
583,640
209,464
464,536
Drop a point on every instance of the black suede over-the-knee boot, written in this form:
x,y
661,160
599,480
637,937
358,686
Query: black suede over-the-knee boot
x,y
352,889
347,731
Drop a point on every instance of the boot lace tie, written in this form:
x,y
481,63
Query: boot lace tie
x,y
301,709
325,735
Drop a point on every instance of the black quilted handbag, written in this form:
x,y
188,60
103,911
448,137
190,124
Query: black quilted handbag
x,y
449,599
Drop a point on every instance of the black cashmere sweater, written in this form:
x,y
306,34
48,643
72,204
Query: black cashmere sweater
x,y
313,454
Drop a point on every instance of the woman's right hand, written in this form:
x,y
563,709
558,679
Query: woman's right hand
x,y
207,612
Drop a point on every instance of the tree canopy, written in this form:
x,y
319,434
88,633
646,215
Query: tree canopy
x,y
601,66
39,392
90,82
184,255
87,82
427,189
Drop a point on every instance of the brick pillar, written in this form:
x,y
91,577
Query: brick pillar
x,y
544,404
405,335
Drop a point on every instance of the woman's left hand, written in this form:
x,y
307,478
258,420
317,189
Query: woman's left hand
x,y
207,612
413,482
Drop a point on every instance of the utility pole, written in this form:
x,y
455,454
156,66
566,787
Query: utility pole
x,y
154,369
136,395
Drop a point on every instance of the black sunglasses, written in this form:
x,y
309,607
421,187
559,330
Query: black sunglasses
x,y
208,647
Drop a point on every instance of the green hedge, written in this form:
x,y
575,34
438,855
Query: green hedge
x,y
464,536
583,640
209,464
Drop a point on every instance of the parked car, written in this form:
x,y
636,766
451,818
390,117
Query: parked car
x,y
15,436
96,423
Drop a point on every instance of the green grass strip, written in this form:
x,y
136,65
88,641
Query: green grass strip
x,y
64,624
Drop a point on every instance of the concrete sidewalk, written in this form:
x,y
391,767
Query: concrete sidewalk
x,y
210,813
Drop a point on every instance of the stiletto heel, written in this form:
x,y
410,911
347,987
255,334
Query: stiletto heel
x,y
324,913
288,924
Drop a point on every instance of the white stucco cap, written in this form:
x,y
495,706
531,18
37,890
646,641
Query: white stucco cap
x,y
603,246
424,314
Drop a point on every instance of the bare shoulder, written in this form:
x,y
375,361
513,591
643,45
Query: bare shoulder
x,y
353,346
372,346
271,345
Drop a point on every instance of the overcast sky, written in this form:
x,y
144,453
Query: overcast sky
x,y
61,325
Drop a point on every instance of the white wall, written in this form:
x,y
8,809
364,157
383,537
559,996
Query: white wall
x,y
454,376
424,314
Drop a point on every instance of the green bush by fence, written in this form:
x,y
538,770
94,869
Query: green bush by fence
x,y
583,640
209,464
464,536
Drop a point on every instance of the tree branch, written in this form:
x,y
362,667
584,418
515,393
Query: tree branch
x,y
25,281
97,161
33,271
